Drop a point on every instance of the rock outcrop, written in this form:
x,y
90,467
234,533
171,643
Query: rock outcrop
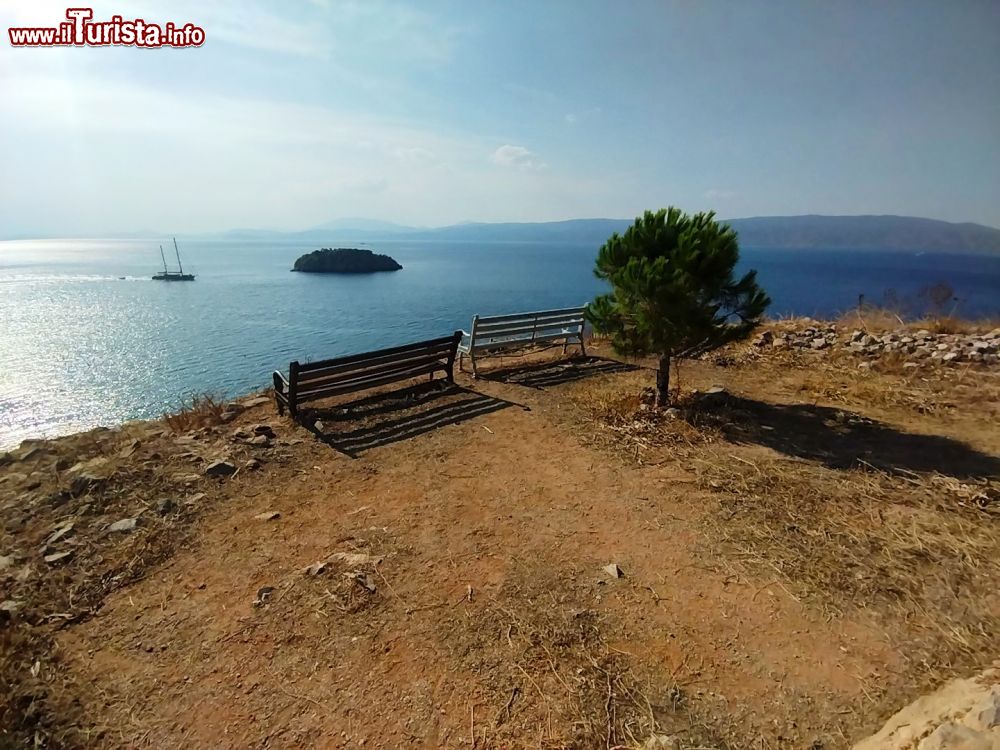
x,y
920,347
961,715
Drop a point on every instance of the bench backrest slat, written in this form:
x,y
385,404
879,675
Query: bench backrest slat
x,y
331,369
528,326
305,367
531,315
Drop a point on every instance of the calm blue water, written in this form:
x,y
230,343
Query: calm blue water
x,y
80,347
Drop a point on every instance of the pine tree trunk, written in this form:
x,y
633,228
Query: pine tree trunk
x,y
663,382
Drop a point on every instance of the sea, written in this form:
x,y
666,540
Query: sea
x,y
87,338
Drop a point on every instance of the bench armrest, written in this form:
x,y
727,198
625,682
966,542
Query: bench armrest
x,y
280,382
465,341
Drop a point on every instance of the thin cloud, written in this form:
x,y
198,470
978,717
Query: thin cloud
x,y
518,157
719,195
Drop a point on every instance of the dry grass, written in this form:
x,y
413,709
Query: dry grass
x,y
880,319
201,411
551,678
626,420
921,553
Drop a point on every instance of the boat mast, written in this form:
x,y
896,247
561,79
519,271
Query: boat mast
x,y
178,252
164,259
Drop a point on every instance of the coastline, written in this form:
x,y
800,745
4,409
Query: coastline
x,y
956,335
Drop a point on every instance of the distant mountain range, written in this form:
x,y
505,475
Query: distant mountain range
x,y
907,233
792,232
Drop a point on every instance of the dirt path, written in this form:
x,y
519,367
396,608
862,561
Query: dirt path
x,y
468,607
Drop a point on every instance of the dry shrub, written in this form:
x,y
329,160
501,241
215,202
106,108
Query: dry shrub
x,y
920,552
928,389
549,675
881,320
202,411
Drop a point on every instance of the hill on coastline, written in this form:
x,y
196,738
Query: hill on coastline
x,y
792,232
866,232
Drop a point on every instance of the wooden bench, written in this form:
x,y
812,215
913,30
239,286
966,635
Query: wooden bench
x,y
498,332
312,381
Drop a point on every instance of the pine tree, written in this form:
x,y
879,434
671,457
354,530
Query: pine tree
x,y
673,293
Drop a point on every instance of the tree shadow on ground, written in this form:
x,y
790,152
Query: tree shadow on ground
x,y
384,418
840,439
542,374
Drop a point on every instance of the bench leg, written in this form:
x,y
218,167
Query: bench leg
x,y
583,347
475,372
461,361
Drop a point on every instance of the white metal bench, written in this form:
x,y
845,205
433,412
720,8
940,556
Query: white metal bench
x,y
499,332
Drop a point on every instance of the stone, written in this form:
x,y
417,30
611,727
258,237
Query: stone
x,y
6,561
268,515
910,365
166,506
264,594
256,401
952,736
8,608
263,429
220,469
83,483
363,580
316,569
125,525
985,715
60,533
58,557
613,570
30,453
252,465
353,559
186,478
195,499
260,440
766,338
661,742
951,356
929,722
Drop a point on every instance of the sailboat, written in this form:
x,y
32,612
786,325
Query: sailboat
x,y
169,275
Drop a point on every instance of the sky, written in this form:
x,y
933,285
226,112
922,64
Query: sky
x,y
297,112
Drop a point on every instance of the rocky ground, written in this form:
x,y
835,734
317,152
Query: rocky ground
x,y
916,346
535,559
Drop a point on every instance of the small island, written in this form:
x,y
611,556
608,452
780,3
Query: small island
x,y
345,260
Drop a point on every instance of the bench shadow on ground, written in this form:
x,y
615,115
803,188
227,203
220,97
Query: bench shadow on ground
x,y
841,439
357,426
543,374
